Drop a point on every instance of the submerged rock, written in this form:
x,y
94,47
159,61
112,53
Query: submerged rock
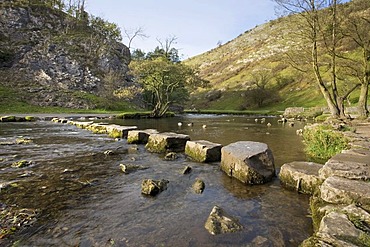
x,y
153,187
8,119
199,186
170,156
128,168
301,176
249,162
21,164
220,222
23,141
203,151
186,170
108,152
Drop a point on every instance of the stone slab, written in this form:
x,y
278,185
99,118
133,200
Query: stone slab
x,y
347,165
168,141
140,136
249,162
338,190
203,151
301,176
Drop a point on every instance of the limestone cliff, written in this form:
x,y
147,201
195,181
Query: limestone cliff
x,y
55,59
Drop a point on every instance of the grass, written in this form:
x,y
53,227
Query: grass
x,y
323,142
12,101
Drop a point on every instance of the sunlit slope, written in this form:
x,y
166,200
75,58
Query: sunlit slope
x,y
232,68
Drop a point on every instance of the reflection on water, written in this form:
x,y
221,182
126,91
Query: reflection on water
x,y
85,200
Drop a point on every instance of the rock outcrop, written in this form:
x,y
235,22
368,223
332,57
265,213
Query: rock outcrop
x,y
54,59
249,162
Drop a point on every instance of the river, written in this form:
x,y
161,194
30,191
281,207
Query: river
x,y
83,198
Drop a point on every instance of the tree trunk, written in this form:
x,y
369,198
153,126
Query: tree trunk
x,y
362,102
332,104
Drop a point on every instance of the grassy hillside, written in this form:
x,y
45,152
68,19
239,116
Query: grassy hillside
x,y
262,54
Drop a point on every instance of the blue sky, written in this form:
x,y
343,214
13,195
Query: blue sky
x,y
198,24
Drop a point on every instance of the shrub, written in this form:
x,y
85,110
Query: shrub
x,y
323,142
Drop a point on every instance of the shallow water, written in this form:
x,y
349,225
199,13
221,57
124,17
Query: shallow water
x,y
85,200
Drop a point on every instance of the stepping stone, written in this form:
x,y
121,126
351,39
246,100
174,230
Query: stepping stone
x,y
140,136
338,190
249,162
203,151
163,142
347,165
301,176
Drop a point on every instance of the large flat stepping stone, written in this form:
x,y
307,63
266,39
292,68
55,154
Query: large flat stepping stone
x,y
118,131
301,176
140,136
347,165
168,141
203,151
80,124
338,190
98,128
249,162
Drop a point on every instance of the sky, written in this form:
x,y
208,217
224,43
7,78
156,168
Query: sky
x,y
198,25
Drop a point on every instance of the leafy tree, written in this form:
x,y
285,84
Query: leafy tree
x,y
259,93
165,82
166,50
138,54
105,28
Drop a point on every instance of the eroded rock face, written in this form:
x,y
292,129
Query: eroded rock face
x,y
163,142
153,187
220,222
249,162
301,176
203,151
43,55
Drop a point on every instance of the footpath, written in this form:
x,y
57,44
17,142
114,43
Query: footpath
x,y
340,189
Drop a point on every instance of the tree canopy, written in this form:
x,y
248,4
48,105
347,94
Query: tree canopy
x,y
165,80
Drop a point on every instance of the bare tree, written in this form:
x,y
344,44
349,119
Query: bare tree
x,y
357,31
132,34
320,32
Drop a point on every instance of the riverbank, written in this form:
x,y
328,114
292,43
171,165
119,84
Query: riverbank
x,y
340,189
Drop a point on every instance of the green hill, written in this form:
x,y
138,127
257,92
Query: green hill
x,y
261,55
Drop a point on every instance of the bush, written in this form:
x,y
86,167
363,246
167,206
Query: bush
x,y
323,142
